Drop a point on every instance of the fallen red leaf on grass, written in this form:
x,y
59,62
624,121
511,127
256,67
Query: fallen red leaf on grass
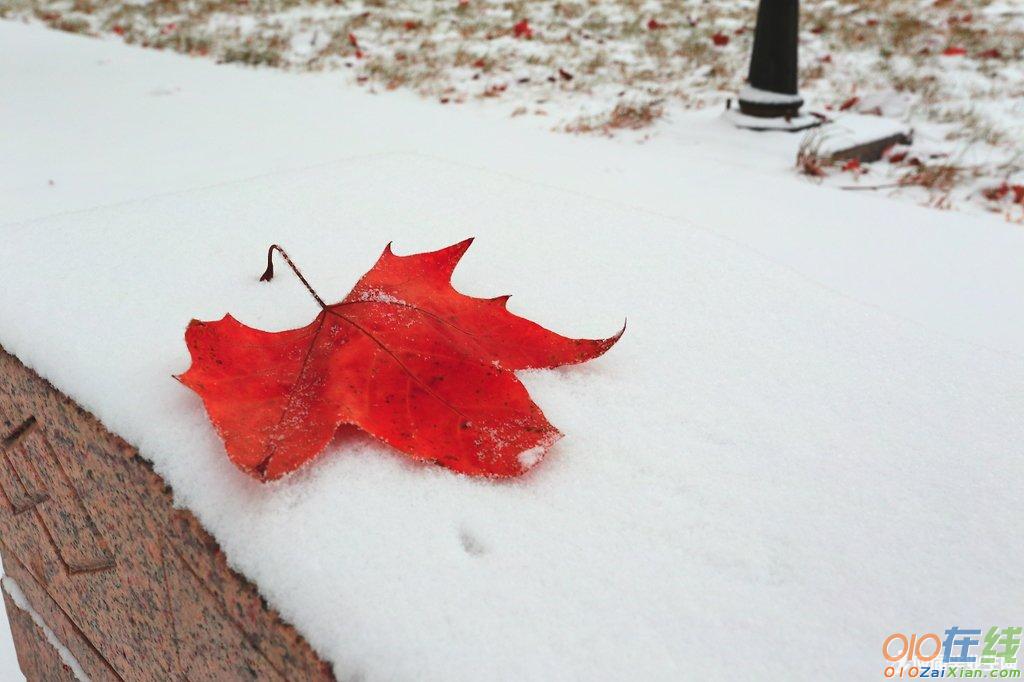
x,y
720,39
354,42
954,52
654,25
522,29
999,192
849,104
404,356
996,193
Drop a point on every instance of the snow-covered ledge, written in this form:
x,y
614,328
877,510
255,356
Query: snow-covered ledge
x,y
792,392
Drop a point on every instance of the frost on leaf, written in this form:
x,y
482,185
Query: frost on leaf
x,y
404,357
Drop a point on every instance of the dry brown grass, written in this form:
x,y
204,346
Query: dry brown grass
x,y
625,116
809,160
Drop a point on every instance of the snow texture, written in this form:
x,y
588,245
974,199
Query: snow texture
x,y
760,123
808,438
759,96
14,590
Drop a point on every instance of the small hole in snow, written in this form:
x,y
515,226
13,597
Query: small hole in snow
x,y
471,544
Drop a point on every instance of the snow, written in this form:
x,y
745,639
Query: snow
x,y
759,96
14,590
600,67
807,439
760,123
528,458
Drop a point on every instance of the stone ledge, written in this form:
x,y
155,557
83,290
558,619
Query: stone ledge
x,y
135,588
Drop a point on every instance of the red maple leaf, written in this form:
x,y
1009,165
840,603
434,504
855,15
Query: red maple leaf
x,y
404,357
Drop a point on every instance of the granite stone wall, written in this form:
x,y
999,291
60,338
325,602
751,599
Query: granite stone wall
x,y
134,588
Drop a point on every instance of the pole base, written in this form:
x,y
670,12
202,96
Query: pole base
x,y
766,104
765,110
788,125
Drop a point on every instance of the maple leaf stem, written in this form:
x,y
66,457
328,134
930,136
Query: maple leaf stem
x,y
268,274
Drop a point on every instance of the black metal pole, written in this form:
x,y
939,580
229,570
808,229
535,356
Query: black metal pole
x,y
772,92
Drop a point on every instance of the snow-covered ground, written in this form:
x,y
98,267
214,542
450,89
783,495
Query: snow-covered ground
x,y
950,70
807,439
